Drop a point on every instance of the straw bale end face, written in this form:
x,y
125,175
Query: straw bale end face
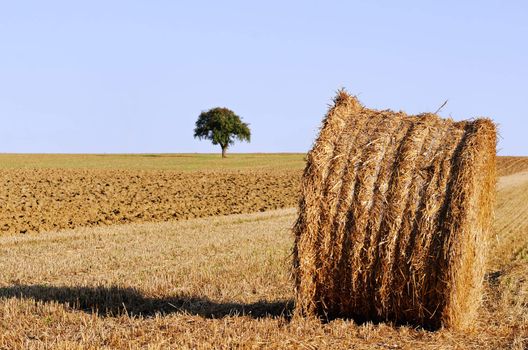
x,y
394,219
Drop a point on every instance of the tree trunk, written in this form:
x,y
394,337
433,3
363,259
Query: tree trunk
x,y
224,151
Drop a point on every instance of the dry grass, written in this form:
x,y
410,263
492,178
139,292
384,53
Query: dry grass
x,y
394,217
222,282
190,162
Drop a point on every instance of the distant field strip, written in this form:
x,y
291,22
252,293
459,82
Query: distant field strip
x,y
168,161
189,162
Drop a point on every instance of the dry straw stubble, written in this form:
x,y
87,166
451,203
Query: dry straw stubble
x,y
394,219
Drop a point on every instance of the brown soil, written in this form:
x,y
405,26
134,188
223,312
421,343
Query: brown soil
x,y
36,200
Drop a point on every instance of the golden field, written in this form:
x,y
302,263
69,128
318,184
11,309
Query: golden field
x,y
217,281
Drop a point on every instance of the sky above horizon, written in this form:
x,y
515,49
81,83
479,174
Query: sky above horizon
x,y
133,76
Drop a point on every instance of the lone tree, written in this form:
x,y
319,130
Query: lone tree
x,y
222,126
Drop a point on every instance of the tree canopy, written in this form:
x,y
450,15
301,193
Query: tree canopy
x,y
222,126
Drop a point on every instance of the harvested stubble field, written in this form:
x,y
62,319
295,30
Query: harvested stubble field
x,y
223,282
181,162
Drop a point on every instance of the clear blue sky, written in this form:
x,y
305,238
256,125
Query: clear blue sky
x,y
132,76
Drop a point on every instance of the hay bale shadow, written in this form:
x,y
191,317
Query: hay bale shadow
x,y
114,301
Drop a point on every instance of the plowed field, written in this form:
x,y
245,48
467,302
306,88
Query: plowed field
x,y
36,200
36,197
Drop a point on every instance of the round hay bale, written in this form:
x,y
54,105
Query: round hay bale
x,y
394,218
